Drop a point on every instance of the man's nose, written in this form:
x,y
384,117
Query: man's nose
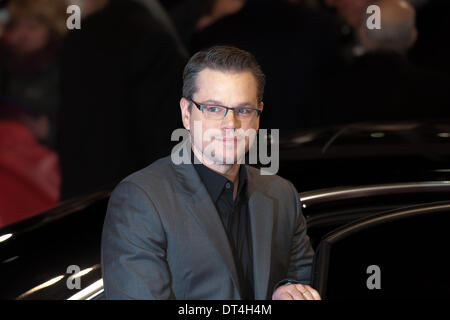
x,y
231,120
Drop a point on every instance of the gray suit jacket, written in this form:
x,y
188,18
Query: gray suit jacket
x,y
163,237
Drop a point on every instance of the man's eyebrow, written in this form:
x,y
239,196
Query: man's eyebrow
x,y
218,103
214,102
245,104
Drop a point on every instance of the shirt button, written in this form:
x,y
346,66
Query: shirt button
x,y
228,186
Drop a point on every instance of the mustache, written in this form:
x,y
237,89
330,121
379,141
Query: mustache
x,y
227,137
228,134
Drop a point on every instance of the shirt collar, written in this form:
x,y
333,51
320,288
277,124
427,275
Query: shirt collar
x,y
215,182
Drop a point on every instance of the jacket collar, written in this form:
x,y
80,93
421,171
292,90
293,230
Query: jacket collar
x,y
215,182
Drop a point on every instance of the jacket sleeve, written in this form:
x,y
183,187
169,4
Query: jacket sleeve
x,y
302,253
134,262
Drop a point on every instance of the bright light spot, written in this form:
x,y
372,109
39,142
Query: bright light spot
x,y
377,135
304,138
41,286
5,237
82,273
444,135
87,293
10,259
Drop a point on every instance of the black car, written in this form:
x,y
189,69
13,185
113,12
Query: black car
x,y
376,199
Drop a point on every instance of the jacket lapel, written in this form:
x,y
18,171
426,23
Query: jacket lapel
x,y
201,207
261,210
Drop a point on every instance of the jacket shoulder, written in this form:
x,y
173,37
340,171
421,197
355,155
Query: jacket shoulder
x,y
153,175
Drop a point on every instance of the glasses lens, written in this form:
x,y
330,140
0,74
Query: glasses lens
x,y
214,112
245,113
218,113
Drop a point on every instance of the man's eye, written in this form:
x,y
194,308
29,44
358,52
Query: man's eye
x,y
243,111
214,109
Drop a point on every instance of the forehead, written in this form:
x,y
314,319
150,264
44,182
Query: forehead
x,y
226,86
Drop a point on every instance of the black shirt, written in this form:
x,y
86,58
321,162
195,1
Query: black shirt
x,y
234,216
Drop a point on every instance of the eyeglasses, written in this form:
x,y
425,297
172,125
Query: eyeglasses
x,y
213,112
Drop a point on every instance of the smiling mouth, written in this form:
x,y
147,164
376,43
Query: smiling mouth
x,y
228,139
232,139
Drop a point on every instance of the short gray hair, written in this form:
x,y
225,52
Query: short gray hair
x,y
222,58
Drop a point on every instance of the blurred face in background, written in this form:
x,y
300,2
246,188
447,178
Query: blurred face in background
x,y
26,35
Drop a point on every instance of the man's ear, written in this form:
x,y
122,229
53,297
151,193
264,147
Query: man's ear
x,y
261,105
185,114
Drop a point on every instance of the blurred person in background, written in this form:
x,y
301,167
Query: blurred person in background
x,y
429,51
29,172
29,49
190,16
218,10
296,45
162,16
381,84
121,78
349,15
398,31
350,12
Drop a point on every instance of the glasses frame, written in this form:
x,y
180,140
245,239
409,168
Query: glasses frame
x,y
201,106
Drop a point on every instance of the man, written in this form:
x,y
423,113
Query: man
x,y
213,230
